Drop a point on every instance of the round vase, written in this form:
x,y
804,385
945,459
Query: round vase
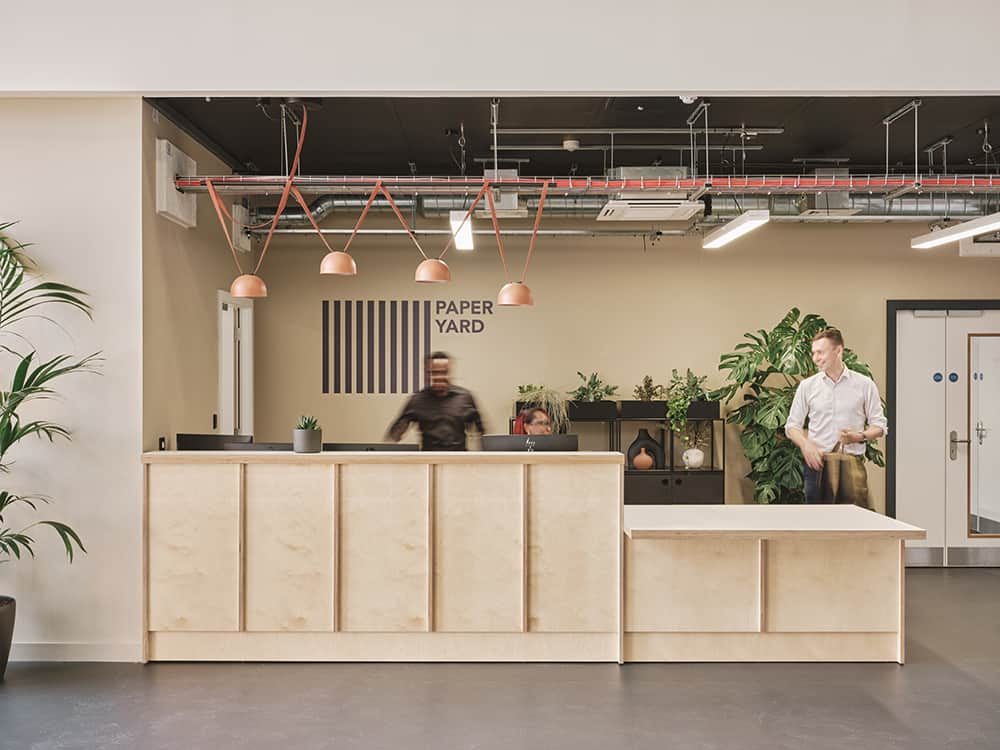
x,y
693,458
643,460
653,449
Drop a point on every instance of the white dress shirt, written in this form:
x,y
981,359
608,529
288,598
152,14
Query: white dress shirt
x,y
851,403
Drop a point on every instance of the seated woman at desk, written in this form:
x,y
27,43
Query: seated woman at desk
x,y
533,421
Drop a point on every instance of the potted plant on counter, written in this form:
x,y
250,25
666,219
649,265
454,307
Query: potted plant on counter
x,y
549,399
307,437
650,401
591,400
689,414
22,296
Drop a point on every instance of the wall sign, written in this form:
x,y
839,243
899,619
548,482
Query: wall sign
x,y
378,346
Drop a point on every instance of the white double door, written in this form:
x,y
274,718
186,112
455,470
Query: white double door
x,y
948,434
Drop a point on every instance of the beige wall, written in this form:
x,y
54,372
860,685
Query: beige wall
x,y
605,305
71,174
182,269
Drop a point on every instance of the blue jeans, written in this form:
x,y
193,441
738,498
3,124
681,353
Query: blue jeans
x,y
811,478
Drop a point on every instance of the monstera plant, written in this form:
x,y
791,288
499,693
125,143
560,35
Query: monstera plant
x,y
764,372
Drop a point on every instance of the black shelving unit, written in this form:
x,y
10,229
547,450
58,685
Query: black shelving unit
x,y
674,484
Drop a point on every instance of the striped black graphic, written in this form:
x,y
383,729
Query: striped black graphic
x,y
374,346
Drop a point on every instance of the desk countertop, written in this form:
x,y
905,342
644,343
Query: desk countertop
x,y
381,457
763,522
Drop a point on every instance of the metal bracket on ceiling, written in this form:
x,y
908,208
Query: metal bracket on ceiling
x,y
888,120
939,144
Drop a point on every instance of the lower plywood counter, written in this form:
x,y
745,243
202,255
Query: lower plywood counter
x,y
383,556
764,583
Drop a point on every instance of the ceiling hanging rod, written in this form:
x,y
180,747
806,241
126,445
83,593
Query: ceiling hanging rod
x,y
748,130
634,147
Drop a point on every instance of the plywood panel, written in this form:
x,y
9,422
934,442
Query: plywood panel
x,y
194,547
822,586
383,547
736,647
477,555
424,647
708,585
289,547
574,542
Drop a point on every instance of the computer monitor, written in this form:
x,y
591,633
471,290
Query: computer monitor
x,y
257,446
187,441
370,447
530,442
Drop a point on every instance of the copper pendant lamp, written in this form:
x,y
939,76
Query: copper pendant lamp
x,y
338,263
515,293
433,271
248,286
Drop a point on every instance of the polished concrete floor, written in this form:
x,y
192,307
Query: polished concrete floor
x,y
947,696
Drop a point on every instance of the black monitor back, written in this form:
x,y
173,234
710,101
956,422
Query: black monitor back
x,y
257,446
187,441
530,442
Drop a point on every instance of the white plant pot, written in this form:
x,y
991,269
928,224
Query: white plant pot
x,y
693,458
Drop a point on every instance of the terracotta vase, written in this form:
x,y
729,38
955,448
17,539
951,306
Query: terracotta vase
x,y
643,460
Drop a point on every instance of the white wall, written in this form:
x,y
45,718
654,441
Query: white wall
x,y
517,46
71,174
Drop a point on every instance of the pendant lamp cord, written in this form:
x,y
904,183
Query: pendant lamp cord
x,y
534,231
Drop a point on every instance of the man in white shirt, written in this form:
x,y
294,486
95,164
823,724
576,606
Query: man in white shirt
x,y
842,406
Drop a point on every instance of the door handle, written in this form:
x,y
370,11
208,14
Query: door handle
x,y
953,442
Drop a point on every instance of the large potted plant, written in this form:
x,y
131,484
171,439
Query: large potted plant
x,y
649,401
23,295
549,399
763,372
689,413
591,399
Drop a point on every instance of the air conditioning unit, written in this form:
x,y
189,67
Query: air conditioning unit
x,y
505,201
651,207
829,203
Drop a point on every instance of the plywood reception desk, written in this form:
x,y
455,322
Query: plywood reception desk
x,y
764,583
264,556
383,556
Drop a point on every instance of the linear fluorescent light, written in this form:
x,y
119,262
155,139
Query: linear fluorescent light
x,y
970,228
745,222
461,230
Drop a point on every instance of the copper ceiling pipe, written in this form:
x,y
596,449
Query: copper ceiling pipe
x,y
433,271
248,286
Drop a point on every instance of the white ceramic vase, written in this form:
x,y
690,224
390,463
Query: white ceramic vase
x,y
693,458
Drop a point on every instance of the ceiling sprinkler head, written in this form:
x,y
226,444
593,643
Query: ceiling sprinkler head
x,y
570,144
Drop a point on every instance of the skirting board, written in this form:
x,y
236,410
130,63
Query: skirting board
x,y
402,647
761,647
120,652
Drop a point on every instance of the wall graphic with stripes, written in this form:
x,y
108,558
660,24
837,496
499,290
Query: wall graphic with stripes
x,y
375,346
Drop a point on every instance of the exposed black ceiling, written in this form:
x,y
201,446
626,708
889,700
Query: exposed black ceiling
x,y
385,136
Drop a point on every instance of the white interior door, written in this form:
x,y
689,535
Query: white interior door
x,y
235,345
970,469
984,446
920,429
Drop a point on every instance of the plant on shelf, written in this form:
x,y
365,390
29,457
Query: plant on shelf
x,y
647,391
592,389
765,370
307,437
307,423
682,391
22,296
549,399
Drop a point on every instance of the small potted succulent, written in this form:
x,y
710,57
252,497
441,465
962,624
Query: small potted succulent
x,y
307,437
591,400
650,401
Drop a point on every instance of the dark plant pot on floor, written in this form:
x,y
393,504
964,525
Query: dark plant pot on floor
x,y
7,609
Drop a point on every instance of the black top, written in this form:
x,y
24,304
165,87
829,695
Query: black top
x,y
442,419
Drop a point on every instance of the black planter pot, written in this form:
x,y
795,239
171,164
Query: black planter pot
x,y
703,410
7,610
592,410
653,448
643,409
